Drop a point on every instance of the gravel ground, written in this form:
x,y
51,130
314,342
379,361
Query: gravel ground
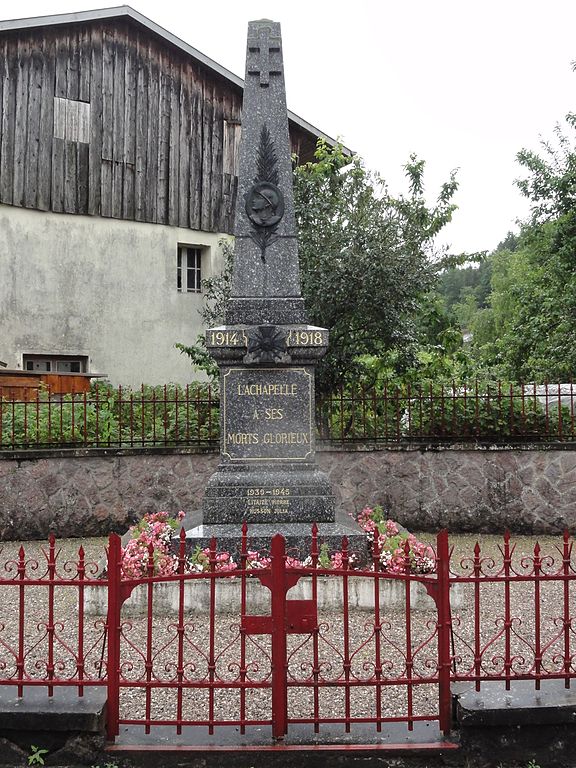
x,y
363,699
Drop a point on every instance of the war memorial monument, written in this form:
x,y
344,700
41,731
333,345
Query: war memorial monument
x,y
266,350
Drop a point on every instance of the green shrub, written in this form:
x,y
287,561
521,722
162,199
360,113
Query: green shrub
x,y
109,416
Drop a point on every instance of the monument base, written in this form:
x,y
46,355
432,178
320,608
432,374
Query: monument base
x,y
268,494
298,538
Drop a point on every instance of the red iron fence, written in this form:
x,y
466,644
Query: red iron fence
x,y
183,416
238,648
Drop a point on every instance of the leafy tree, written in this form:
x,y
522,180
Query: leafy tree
x,y
528,332
551,181
364,258
523,328
456,283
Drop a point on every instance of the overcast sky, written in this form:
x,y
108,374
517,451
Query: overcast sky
x,y
462,84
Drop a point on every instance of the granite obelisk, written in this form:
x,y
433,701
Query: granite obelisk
x,y
266,350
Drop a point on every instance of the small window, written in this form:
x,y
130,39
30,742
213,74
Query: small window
x,y
68,366
72,120
58,364
189,269
38,365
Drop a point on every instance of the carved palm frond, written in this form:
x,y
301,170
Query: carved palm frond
x,y
266,159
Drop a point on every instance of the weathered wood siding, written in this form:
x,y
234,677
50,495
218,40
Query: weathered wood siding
x,y
158,123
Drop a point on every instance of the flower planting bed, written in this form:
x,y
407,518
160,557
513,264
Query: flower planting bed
x,y
392,593
149,552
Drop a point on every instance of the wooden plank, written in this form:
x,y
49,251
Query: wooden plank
x,y
21,119
107,121
83,122
142,92
152,138
228,147
217,158
8,122
129,129
3,64
61,78
230,134
9,380
60,117
106,178
163,140
118,127
84,74
33,124
226,195
72,120
58,144
96,106
184,151
57,192
233,196
128,193
107,94
70,177
83,174
77,126
196,158
174,145
228,150
46,128
73,66
207,121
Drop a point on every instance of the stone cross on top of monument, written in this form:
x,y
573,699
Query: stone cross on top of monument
x,y
265,281
264,51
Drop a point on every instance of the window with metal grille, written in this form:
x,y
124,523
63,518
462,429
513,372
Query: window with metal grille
x,y
189,269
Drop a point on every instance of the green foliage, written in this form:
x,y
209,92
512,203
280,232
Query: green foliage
x,y
107,764
523,329
527,332
158,415
324,560
36,756
404,410
551,181
200,358
364,257
456,283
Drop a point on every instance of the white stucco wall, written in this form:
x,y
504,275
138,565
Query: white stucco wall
x,y
81,285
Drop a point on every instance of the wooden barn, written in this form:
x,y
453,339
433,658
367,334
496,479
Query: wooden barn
x,y
118,176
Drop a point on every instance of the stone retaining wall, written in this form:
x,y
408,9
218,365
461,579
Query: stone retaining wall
x,y
528,489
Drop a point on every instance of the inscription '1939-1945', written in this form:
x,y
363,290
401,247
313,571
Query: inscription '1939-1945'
x,y
267,414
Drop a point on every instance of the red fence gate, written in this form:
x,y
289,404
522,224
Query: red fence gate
x,y
333,653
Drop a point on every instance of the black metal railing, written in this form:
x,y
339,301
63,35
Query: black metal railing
x,y
171,415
